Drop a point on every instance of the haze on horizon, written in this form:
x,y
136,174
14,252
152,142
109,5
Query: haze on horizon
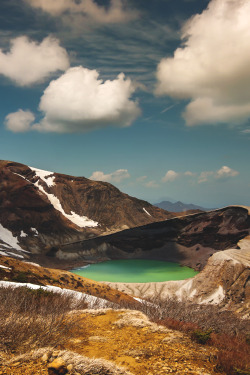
x,y
152,97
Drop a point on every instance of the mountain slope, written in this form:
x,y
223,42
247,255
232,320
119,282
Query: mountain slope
x,y
42,209
180,206
189,240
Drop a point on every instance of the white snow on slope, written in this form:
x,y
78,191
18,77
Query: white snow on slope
x,y
7,268
9,239
81,221
91,300
23,234
35,231
2,253
144,209
45,176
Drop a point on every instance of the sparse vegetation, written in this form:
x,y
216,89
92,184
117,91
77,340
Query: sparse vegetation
x,y
201,337
34,318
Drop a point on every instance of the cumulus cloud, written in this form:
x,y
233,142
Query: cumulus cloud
x,y
225,172
79,101
116,176
170,176
212,67
29,62
83,10
19,121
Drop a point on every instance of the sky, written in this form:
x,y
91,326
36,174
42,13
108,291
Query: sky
x,y
152,96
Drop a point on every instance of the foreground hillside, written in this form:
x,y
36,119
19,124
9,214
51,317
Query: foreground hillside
x,y
13,270
119,343
50,330
43,209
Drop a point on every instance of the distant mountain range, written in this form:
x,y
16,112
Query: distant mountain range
x,y
180,206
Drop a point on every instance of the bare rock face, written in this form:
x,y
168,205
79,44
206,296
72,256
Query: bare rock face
x,y
42,209
189,240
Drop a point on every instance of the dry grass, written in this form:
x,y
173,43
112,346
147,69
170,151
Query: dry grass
x,y
80,363
34,318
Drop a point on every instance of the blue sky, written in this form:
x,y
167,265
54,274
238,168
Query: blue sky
x,y
152,96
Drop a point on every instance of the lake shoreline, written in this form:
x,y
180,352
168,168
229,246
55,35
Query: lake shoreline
x,y
135,271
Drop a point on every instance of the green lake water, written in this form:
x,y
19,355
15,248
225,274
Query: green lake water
x,y
135,271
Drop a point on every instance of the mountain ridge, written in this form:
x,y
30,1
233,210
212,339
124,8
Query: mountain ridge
x,y
43,209
180,206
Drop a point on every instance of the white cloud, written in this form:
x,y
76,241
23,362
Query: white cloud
x,y
225,172
222,173
85,10
212,68
29,62
170,176
19,121
116,176
79,101
204,176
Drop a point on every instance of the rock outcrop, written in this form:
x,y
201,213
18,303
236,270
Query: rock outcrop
x,y
224,281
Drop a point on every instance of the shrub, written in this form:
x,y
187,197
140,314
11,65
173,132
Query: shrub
x,y
21,277
201,337
233,354
34,318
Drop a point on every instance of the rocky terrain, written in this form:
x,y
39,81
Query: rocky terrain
x,y
188,240
117,343
43,209
224,281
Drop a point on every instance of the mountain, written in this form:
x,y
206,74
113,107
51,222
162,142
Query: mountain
x,y
180,207
217,243
40,209
189,240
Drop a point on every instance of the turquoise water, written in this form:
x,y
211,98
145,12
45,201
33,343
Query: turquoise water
x,y
135,271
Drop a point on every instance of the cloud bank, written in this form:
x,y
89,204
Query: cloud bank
x,y
116,176
116,12
79,101
29,62
212,67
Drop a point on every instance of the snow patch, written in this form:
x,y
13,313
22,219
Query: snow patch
x,y
80,221
35,231
45,176
33,264
91,300
14,255
144,209
23,234
2,253
8,237
7,268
